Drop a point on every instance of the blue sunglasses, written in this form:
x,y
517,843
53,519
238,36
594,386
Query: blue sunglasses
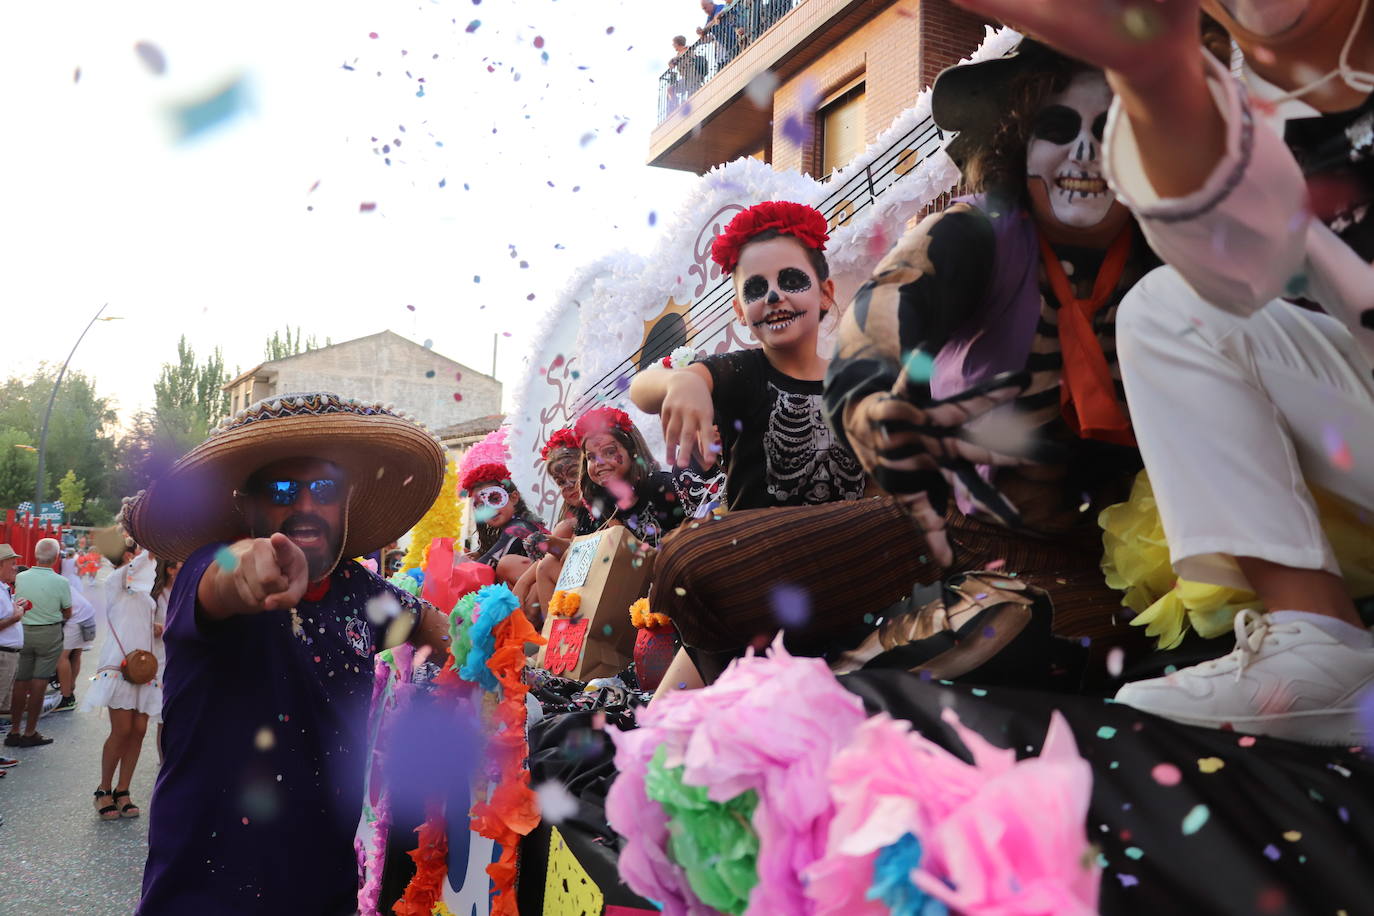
x,y
284,492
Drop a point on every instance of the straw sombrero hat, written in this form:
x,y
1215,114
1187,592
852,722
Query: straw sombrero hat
x,y
395,470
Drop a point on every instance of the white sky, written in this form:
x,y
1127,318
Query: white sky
x,y
211,237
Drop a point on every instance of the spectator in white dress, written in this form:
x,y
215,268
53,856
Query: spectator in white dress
x,y
132,617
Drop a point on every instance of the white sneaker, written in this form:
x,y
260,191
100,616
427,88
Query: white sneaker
x,y
1290,680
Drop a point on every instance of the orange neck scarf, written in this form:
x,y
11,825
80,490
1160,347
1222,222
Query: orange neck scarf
x,y
1087,394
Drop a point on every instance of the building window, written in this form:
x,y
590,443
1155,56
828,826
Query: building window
x,y
840,123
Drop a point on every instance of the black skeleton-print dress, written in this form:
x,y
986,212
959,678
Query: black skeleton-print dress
x,y
775,443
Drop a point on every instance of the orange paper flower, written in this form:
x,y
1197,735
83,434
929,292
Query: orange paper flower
x,y
512,811
645,619
565,604
426,889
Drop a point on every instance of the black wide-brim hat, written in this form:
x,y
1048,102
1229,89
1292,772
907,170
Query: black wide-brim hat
x,y
973,99
395,471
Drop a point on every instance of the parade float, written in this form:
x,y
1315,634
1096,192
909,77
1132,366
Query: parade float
x,y
782,789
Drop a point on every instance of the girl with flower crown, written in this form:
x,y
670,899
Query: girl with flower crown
x,y
504,522
620,483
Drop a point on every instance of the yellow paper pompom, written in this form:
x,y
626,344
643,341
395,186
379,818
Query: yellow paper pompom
x,y
1135,560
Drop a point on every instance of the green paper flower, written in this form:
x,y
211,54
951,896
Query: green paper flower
x,y
713,842
460,629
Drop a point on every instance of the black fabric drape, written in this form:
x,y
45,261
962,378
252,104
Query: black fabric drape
x,y
1290,828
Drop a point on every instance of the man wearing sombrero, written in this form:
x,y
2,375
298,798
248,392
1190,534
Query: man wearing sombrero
x,y
270,633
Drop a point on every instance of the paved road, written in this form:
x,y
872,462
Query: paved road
x,y
57,858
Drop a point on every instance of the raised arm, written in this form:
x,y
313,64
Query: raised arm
x,y
268,574
1153,60
682,398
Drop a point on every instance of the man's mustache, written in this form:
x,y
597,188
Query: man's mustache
x,y
305,519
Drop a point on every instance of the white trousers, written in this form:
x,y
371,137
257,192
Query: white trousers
x,y
1235,416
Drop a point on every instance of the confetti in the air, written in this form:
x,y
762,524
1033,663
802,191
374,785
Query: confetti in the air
x,y
1337,449
791,605
1166,774
226,559
152,57
556,803
1194,820
196,116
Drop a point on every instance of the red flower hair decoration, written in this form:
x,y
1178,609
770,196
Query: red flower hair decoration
x,y
803,223
563,438
491,471
600,420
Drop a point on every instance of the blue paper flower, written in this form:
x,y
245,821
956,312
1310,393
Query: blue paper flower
x,y
892,880
494,604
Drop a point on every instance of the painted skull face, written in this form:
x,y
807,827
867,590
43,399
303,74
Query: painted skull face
x,y
1265,18
1064,156
777,294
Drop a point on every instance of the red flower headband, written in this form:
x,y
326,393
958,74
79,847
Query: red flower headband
x,y
483,472
803,223
563,438
600,420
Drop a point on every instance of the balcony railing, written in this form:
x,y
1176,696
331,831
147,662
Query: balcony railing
x,y
735,28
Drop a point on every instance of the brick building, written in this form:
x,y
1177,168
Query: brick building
x,y
830,74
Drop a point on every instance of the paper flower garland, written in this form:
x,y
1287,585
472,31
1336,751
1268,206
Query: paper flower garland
x,y
512,811
487,649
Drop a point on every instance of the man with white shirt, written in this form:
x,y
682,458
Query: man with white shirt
x,y
78,635
11,633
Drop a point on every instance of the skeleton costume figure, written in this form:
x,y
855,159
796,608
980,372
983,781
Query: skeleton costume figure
x,y
1064,154
1023,277
1032,290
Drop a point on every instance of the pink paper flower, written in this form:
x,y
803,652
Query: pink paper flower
x,y
999,836
771,724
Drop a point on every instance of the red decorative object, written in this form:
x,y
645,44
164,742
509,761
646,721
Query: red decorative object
x,y
445,582
654,651
562,438
803,223
565,644
599,420
490,471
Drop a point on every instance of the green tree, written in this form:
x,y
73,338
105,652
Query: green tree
x,y
18,467
81,430
72,491
281,345
189,396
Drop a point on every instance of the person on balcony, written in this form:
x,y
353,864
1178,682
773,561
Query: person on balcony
x,y
689,70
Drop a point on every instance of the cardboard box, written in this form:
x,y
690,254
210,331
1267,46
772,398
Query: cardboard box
x,y
601,568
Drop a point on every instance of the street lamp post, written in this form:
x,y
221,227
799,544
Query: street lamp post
x,y
47,415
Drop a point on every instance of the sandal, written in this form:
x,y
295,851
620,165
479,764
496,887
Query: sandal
x,y
107,812
128,809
